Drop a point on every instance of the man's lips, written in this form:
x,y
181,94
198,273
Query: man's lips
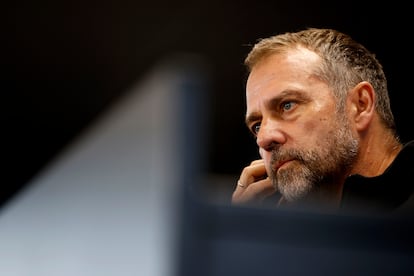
x,y
281,163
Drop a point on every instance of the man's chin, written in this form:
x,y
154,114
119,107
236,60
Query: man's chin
x,y
293,192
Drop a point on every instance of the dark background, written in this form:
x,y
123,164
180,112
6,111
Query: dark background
x,y
65,62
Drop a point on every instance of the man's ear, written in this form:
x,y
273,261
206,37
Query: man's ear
x,y
362,104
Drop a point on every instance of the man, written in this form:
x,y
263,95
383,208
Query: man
x,y
318,106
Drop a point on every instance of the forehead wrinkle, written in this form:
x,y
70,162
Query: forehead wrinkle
x,y
263,81
295,66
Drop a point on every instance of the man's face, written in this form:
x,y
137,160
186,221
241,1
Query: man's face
x,y
303,140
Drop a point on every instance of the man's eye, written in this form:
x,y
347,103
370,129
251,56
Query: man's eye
x,y
256,128
286,106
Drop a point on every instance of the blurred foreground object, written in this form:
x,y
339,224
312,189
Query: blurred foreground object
x,y
109,203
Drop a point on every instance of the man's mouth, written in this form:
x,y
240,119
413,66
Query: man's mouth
x,y
281,163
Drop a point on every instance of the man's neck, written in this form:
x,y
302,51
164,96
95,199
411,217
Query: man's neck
x,y
376,155
324,198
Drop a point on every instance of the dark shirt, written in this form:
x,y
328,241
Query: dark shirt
x,y
392,192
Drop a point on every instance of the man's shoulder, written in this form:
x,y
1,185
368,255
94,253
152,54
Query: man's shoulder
x,y
391,191
404,162
409,146
404,169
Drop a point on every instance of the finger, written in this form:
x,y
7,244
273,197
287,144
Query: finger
x,y
258,161
255,171
256,191
261,189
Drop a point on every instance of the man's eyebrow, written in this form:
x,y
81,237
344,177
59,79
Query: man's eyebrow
x,y
287,93
253,117
256,116
273,102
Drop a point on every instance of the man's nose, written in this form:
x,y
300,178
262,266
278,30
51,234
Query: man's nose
x,y
270,135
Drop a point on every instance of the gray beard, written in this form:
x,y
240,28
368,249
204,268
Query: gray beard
x,y
314,168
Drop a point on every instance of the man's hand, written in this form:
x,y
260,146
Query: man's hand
x,y
253,184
